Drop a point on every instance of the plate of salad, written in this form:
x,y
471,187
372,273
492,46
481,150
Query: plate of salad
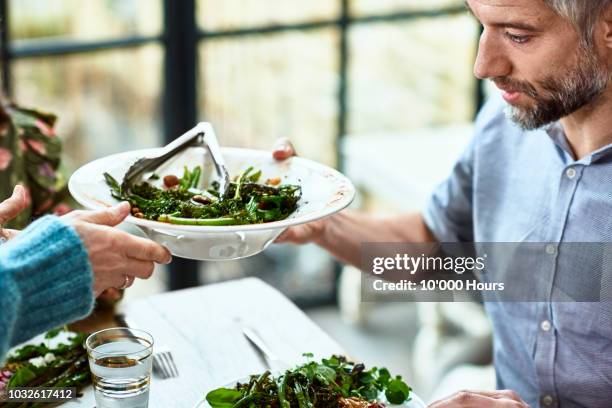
x,y
333,382
179,205
54,360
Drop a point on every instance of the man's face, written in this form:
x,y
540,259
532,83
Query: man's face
x,y
537,59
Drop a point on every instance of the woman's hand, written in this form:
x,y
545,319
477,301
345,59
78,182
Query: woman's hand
x,y
10,208
116,257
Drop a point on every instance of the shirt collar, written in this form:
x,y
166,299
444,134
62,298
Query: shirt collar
x,y
557,134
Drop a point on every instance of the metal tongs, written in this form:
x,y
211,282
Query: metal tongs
x,y
202,135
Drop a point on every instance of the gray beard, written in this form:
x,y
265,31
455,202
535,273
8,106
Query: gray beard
x,y
574,90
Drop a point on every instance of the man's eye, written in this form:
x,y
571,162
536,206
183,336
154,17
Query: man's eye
x,y
519,39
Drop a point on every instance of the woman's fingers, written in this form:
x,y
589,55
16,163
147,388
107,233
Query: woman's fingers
x,y
108,282
145,250
111,295
136,268
12,206
115,254
110,216
8,234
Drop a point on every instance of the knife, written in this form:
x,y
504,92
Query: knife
x,y
271,360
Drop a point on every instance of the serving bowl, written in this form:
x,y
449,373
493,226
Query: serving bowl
x,y
325,191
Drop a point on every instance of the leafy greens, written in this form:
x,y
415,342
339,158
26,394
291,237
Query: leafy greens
x,y
64,365
334,382
181,202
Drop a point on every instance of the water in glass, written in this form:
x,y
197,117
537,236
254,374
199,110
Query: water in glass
x,y
120,360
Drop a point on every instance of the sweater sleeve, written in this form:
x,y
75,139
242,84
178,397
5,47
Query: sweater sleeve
x,y
45,281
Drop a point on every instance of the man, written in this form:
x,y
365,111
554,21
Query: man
x,y
538,170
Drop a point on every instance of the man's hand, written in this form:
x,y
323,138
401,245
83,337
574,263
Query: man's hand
x,y
343,233
482,399
283,149
10,208
116,257
300,234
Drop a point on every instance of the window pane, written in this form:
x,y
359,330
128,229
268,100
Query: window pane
x,y
412,74
365,7
84,20
215,14
257,89
106,102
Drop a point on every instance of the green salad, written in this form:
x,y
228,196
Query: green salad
x,y
179,201
332,383
39,365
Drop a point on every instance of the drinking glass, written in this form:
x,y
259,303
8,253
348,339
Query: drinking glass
x,y
120,360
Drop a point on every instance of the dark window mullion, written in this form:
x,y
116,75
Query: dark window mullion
x,y
343,85
4,48
343,19
44,48
180,101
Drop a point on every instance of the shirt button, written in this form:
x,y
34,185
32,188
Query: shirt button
x,y
551,249
547,400
570,173
545,325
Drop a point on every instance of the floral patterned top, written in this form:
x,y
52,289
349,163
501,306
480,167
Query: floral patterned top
x,y
30,155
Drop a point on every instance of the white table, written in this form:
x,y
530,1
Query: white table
x,y
203,329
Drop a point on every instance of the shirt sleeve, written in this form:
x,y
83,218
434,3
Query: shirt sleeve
x,y
45,281
449,211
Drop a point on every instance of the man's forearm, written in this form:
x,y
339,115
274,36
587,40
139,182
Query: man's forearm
x,y
344,233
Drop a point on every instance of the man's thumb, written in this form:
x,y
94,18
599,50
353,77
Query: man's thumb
x,y
283,149
110,216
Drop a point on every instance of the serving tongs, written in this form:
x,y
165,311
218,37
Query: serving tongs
x,y
202,135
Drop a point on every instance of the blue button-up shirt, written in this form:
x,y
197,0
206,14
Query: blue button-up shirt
x,y
513,185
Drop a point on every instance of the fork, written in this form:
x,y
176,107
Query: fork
x,y
163,364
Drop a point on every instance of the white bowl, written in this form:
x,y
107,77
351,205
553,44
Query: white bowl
x,y
324,192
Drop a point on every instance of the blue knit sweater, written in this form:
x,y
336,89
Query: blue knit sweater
x,y
45,281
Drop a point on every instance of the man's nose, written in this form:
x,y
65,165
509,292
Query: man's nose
x,y
491,61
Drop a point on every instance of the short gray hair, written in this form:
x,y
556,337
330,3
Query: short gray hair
x,y
583,14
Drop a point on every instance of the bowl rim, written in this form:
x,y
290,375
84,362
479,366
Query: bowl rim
x,y
343,200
